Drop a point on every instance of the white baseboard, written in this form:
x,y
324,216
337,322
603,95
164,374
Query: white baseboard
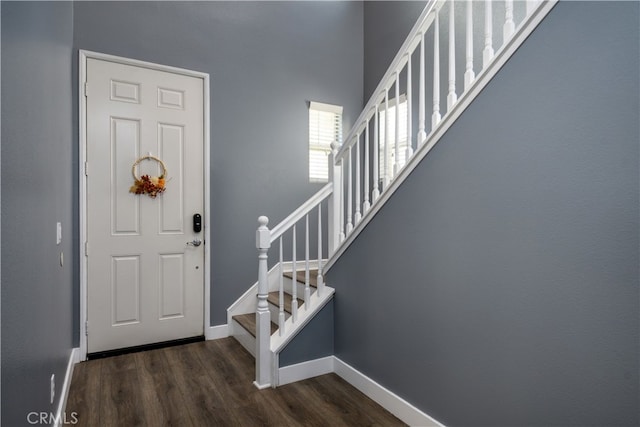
x,y
74,358
216,332
393,403
304,370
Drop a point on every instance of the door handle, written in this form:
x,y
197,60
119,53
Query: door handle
x,y
195,242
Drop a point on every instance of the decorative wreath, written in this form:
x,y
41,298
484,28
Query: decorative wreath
x,y
151,185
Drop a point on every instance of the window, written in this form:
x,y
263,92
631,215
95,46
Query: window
x,y
386,170
325,127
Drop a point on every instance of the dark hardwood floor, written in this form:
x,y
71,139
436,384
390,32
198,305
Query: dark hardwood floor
x,y
209,384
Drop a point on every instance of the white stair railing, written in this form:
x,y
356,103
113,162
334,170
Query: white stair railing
x,y
264,239
379,134
389,116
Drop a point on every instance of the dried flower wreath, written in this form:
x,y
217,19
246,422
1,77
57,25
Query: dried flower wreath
x,y
145,184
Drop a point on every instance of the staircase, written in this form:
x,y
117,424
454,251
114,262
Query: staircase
x,y
244,324
394,132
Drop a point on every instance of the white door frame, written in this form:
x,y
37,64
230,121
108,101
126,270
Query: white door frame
x,y
83,55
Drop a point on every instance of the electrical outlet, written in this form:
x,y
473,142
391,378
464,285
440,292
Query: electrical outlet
x,y
53,387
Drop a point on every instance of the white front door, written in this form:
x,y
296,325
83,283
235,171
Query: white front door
x,y
145,269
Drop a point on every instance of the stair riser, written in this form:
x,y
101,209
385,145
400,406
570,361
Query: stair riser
x,y
275,313
300,290
247,340
287,284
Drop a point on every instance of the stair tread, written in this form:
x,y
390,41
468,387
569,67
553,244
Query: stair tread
x,y
300,277
274,298
248,321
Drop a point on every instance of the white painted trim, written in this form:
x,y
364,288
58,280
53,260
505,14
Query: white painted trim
x,y
261,386
305,370
208,224
328,108
82,191
74,357
393,403
486,75
83,55
216,332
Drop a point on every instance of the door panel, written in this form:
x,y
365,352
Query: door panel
x,y
125,289
125,145
144,283
171,286
171,138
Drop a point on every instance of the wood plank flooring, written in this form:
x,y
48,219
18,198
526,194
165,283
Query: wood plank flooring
x,y
209,384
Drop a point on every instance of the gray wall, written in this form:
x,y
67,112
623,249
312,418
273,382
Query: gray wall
x,y
266,61
37,139
386,26
508,260
313,342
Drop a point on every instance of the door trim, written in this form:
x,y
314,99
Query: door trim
x,y
83,55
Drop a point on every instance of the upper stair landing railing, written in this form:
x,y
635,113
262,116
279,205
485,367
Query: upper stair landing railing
x,y
422,93
390,137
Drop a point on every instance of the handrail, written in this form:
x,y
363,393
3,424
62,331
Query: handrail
x,y
299,213
421,25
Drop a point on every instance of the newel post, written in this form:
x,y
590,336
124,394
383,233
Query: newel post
x,y
263,317
335,206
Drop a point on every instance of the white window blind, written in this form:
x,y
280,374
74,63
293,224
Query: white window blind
x,y
325,127
387,169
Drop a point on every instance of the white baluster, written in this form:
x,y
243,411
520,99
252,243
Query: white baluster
x,y
281,315
342,234
320,279
509,26
469,75
435,117
385,148
452,97
334,210
396,163
307,291
294,287
376,162
365,204
263,316
358,215
350,195
422,134
409,110
487,53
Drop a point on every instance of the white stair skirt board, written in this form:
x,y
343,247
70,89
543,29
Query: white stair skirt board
x,y
61,416
216,332
305,370
393,403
